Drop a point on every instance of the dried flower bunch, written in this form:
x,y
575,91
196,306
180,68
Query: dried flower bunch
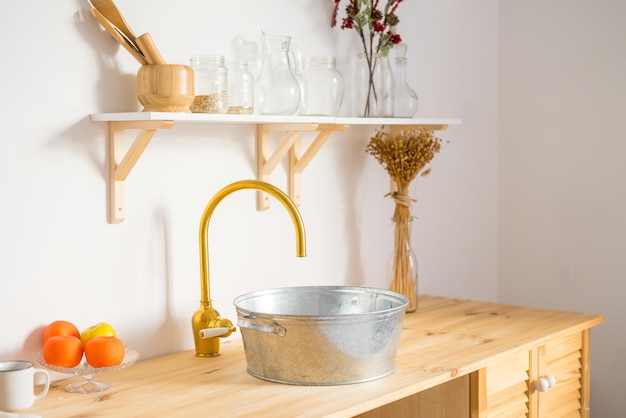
x,y
371,22
404,155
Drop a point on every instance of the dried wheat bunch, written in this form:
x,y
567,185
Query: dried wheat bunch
x,y
405,154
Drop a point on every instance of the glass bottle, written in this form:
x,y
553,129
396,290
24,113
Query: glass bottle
x,y
211,84
403,278
322,86
240,89
405,105
374,86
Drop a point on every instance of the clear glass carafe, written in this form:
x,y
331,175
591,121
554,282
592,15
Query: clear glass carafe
x,y
405,105
322,86
277,91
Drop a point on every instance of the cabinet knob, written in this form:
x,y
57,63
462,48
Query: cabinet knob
x,y
545,383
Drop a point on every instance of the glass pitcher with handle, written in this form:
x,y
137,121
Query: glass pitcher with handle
x,y
277,91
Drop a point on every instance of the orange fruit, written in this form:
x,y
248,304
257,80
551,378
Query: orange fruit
x,y
104,351
60,328
63,351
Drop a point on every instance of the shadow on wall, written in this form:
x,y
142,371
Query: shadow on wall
x,y
116,91
350,165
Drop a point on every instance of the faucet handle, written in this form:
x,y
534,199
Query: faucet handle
x,y
213,332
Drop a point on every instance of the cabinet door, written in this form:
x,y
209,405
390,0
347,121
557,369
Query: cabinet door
x,y
507,386
501,389
564,359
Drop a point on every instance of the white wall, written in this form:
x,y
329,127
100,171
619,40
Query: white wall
x,y
562,194
556,195
61,260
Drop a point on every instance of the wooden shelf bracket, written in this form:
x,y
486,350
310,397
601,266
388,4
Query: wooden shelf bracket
x,y
121,160
290,143
122,156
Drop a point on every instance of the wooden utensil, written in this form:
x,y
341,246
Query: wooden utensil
x,y
119,37
149,49
109,10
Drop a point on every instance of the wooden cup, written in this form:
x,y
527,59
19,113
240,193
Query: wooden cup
x,y
165,87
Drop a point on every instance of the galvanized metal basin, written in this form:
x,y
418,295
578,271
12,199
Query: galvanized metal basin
x,y
321,335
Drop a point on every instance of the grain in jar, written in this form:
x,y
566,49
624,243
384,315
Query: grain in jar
x,y
240,89
211,84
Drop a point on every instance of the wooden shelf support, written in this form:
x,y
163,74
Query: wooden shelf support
x,y
290,143
298,161
121,160
431,127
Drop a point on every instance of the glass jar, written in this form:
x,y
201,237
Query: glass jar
x,y
240,89
211,84
405,105
322,86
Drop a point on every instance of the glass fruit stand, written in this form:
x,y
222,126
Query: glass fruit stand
x,y
88,384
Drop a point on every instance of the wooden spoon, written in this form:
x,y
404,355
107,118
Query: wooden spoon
x,y
119,37
149,49
109,10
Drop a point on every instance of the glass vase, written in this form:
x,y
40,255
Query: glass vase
x,y
374,86
404,262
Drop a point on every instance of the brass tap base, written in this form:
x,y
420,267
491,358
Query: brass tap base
x,y
207,317
208,355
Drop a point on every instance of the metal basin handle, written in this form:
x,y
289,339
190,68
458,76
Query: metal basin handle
x,y
263,325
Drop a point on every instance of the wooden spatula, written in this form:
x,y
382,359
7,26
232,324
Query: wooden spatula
x,y
119,37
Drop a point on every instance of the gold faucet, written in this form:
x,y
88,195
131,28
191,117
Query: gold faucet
x,y
206,322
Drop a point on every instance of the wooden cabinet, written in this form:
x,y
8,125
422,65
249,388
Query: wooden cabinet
x,y
457,358
547,381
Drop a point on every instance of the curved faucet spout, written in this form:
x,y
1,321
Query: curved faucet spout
x,y
207,317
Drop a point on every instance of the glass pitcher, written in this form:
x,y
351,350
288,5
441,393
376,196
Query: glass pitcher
x,y
277,91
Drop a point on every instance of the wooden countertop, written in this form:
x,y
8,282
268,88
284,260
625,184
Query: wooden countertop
x,y
446,338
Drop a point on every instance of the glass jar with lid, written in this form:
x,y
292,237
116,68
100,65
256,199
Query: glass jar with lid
x,y
322,86
240,88
211,84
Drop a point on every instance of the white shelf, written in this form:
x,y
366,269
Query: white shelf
x,y
263,119
122,159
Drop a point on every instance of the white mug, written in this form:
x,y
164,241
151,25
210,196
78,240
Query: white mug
x,y
17,385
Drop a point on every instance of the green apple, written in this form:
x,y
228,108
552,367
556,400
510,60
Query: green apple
x,y
102,329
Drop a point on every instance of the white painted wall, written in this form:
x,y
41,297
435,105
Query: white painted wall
x,y
59,259
562,194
